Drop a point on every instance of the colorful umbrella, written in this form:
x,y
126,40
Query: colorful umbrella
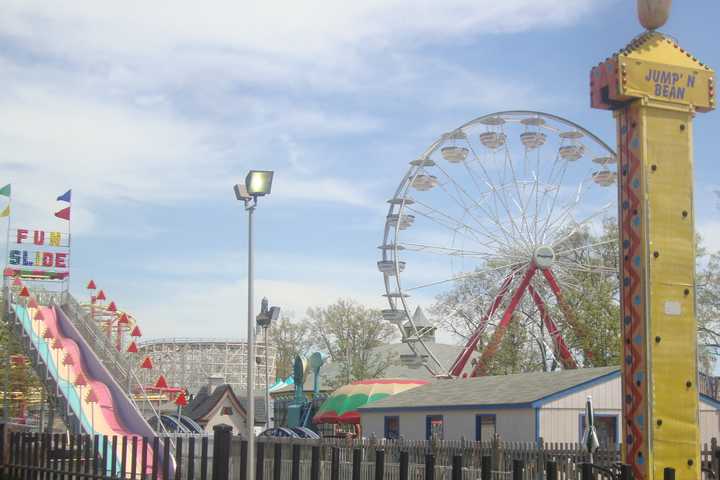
x,y
342,405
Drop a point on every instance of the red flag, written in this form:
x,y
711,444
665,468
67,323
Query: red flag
x,y
91,397
147,363
161,382
123,319
132,348
39,315
181,401
48,334
80,380
64,214
32,303
91,285
101,295
136,332
57,344
68,360
112,307
24,292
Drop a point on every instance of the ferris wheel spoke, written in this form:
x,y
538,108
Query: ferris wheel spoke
x,y
579,225
457,227
519,200
459,252
468,211
464,276
586,267
549,214
461,191
499,196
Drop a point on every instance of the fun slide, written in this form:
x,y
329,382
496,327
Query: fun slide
x,y
77,371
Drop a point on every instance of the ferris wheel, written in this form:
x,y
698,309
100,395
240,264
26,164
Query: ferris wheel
x,y
495,217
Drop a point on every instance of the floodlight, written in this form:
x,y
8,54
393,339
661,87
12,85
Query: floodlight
x,y
259,182
241,192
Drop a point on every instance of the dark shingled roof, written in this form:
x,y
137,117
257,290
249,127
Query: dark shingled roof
x,y
203,403
519,389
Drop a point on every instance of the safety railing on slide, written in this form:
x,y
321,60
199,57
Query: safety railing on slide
x,y
118,364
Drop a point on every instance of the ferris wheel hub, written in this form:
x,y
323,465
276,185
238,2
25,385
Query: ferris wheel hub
x,y
544,256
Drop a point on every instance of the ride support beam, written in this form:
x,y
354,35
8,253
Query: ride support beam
x,y
567,311
462,359
562,352
491,348
654,88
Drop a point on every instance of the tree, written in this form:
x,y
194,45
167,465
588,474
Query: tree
x,y
289,339
708,310
348,332
586,264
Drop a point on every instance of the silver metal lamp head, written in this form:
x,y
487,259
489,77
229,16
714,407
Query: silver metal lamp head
x,y
259,182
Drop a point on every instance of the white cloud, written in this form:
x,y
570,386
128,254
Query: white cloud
x,y
307,30
180,310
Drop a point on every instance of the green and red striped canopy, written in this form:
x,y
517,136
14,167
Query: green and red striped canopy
x,y
342,405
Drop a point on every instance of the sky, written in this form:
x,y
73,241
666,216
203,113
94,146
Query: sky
x,y
152,111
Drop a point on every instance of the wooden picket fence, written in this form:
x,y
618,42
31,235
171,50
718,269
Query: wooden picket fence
x,y
37,456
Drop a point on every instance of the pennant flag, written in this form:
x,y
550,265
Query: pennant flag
x,y
48,334
64,214
65,197
80,380
136,332
147,363
161,382
39,316
181,401
5,191
132,348
24,292
91,285
91,397
6,212
101,295
17,282
57,344
112,307
32,303
68,360
123,319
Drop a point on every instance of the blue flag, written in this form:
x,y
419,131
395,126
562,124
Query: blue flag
x,y
65,197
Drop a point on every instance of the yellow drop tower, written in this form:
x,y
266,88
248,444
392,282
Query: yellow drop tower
x,y
654,88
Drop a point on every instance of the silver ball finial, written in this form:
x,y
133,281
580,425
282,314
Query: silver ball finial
x,y
653,14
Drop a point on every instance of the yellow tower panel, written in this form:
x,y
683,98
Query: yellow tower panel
x,y
667,162
655,87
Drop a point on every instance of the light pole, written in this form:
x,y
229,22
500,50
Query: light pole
x,y
265,317
258,183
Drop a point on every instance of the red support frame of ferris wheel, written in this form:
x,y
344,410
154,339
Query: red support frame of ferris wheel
x,y
492,346
561,348
472,342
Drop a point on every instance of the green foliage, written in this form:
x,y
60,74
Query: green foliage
x,y
22,381
289,339
348,332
